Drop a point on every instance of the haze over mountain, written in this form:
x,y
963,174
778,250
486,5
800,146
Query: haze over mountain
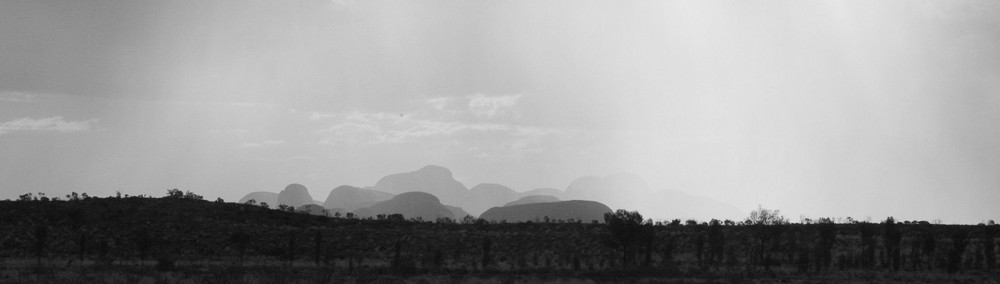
x,y
411,205
458,212
618,191
351,198
585,211
488,195
627,191
531,199
435,180
558,193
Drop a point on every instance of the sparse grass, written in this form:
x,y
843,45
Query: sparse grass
x,y
196,236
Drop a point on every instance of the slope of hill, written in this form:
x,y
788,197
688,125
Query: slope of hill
x,y
544,191
435,180
583,210
314,209
411,205
351,198
458,212
295,195
270,198
532,199
488,195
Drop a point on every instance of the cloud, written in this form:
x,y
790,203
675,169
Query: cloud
x,y
487,106
17,97
53,124
440,103
262,144
379,128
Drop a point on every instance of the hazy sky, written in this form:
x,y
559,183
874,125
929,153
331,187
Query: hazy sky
x,y
846,108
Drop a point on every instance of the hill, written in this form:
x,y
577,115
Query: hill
x,y
583,210
351,198
531,199
295,195
435,180
411,205
488,195
544,191
270,198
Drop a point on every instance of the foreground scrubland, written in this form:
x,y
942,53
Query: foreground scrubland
x,y
181,240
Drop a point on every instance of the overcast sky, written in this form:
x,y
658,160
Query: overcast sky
x,y
846,108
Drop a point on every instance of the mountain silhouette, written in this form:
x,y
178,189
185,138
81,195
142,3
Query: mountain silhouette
x,y
295,195
544,191
270,198
532,199
488,195
582,210
458,212
411,205
351,198
435,180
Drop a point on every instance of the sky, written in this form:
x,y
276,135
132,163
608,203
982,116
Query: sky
x,y
815,108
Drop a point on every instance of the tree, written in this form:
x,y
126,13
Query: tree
x,y
192,196
824,244
175,193
627,228
766,225
716,242
891,242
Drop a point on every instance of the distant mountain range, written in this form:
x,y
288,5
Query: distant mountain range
x,y
432,192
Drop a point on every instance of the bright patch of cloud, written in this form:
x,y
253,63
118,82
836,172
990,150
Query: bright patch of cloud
x,y
490,106
377,128
440,103
54,124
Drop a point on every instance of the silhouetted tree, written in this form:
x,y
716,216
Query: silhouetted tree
x,y
626,229
891,242
766,224
824,245
716,242
174,193
988,235
192,196
867,245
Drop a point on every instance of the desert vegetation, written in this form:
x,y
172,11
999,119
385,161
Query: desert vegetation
x,y
182,237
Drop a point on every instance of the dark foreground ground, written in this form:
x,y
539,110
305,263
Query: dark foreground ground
x,y
177,240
